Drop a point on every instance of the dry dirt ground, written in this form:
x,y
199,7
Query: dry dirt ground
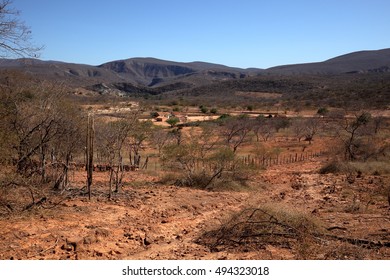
x,y
148,220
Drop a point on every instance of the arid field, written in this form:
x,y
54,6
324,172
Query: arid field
x,y
296,200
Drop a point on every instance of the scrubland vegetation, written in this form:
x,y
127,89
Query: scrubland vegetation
x,y
254,150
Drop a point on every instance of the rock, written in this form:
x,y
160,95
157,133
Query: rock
x,y
74,242
147,241
67,247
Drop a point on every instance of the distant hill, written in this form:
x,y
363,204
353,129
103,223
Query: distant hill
x,y
356,62
356,77
71,73
137,71
151,72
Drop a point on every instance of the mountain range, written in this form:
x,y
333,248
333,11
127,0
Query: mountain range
x,y
155,76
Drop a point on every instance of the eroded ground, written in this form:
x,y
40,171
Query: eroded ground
x,y
148,220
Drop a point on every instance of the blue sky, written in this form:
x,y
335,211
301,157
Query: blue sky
x,y
240,33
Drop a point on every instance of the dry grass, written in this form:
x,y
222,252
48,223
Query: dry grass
x,y
276,225
372,167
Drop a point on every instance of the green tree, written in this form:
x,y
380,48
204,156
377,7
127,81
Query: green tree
x,y
154,114
172,121
322,111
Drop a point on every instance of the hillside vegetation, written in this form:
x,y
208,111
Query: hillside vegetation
x,y
354,80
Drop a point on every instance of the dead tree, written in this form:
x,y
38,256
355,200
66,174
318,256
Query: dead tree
x,y
110,138
353,134
66,145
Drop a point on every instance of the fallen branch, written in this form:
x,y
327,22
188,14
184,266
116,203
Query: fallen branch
x,y
48,249
336,227
267,226
38,203
7,206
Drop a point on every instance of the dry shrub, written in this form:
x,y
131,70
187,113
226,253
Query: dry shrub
x,y
168,178
17,193
200,179
276,225
192,166
363,167
337,167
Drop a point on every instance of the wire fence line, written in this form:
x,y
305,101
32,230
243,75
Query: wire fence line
x,y
254,161
280,159
250,160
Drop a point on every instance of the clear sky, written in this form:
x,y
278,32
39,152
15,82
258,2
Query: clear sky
x,y
240,33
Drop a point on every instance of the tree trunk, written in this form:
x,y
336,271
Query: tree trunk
x,y
43,163
110,183
119,174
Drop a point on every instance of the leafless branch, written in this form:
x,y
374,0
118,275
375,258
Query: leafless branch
x,y
15,36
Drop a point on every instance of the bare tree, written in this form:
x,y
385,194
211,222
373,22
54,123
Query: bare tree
x,y
234,131
264,128
352,134
160,138
111,138
140,131
298,128
67,143
208,139
15,36
306,128
35,122
312,126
